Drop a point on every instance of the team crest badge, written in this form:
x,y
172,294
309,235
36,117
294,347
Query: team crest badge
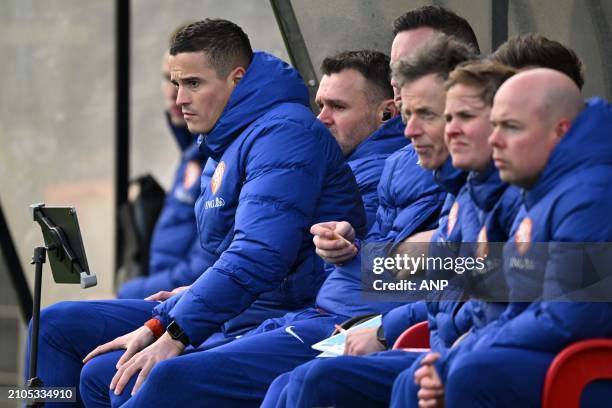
x,y
522,238
217,178
452,217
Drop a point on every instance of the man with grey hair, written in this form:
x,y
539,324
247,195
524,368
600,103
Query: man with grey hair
x,y
421,81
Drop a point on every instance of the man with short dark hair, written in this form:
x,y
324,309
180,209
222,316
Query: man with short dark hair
x,y
353,96
439,19
355,100
534,50
252,112
416,27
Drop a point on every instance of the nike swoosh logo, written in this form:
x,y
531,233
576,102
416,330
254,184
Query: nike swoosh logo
x,y
290,331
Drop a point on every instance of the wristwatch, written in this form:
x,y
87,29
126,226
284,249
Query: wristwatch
x,y
176,332
380,336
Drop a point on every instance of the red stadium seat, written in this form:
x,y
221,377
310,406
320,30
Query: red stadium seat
x,y
416,336
573,368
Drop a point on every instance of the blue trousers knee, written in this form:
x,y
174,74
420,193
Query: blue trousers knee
x,y
276,396
236,374
404,391
507,377
346,381
70,330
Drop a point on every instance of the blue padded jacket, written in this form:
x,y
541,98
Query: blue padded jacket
x,y
368,159
409,202
279,171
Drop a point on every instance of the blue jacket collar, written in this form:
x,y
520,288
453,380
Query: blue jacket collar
x,y
387,133
485,188
450,178
268,82
587,143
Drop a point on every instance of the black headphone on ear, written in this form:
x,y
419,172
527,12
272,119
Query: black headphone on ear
x,y
386,115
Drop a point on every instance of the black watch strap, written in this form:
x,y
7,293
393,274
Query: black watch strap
x,y
380,336
176,332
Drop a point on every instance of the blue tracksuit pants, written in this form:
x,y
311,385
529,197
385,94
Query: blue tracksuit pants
x,y
236,374
345,381
70,330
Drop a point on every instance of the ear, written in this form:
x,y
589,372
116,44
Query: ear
x,y
386,110
236,75
561,128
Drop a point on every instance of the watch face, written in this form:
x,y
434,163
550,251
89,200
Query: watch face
x,y
380,336
174,330
177,333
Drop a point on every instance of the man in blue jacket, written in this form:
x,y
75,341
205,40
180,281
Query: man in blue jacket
x,y
547,142
176,257
251,110
356,102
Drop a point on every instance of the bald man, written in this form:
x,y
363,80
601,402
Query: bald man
x,y
558,150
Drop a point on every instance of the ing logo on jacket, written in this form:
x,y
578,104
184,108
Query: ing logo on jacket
x,y
217,177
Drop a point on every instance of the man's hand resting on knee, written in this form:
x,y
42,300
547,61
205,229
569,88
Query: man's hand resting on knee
x,y
132,342
143,362
142,352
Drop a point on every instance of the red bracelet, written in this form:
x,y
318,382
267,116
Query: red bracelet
x,y
156,326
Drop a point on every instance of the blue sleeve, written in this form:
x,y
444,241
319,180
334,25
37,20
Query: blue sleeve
x,y
447,321
367,172
550,326
162,311
397,320
370,205
271,224
468,343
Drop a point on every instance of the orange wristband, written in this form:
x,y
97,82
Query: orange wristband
x,y
156,326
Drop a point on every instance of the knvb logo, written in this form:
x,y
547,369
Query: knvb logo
x,y
214,203
217,177
522,239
